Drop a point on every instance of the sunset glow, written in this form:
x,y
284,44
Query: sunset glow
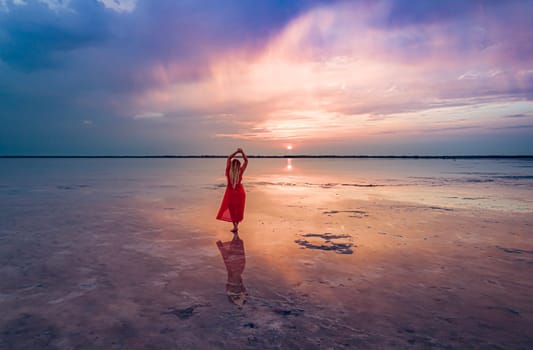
x,y
345,77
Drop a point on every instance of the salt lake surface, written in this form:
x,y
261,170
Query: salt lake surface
x,y
504,184
333,253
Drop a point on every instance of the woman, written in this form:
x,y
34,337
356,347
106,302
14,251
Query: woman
x,y
232,207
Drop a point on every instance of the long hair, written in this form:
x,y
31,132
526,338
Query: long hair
x,y
234,172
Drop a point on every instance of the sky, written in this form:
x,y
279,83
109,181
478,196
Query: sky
x,y
191,77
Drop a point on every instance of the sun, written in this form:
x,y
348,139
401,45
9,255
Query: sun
x,y
289,147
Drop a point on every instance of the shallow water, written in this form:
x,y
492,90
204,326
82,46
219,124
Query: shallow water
x,y
502,184
334,253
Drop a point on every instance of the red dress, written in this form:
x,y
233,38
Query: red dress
x,y
232,207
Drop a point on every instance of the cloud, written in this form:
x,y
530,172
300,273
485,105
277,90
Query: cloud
x,y
449,128
266,70
415,12
108,58
53,4
519,115
34,36
149,115
120,5
521,127
317,68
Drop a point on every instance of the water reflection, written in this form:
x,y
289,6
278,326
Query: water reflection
x,y
289,164
235,259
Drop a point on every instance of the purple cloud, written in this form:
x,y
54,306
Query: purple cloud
x,y
117,64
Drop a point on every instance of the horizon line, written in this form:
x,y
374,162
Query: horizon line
x,y
492,156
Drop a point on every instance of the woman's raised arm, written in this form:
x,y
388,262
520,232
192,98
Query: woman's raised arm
x,y
245,164
228,161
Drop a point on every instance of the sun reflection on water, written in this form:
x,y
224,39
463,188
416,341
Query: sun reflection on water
x,y
289,164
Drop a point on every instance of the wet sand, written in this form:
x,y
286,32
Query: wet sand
x,y
82,269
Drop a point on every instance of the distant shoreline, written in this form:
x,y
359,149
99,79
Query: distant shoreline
x,y
286,156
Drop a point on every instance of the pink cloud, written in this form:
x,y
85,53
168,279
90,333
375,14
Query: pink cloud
x,y
331,70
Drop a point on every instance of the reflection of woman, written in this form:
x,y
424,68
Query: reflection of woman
x,y
232,207
234,258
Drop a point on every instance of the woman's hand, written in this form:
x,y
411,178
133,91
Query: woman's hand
x,y
240,150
